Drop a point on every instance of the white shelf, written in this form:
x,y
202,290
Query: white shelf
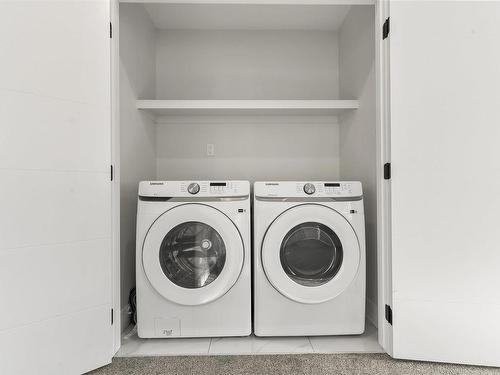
x,y
255,2
246,107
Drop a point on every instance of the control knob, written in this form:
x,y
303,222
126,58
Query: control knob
x,y
309,189
193,188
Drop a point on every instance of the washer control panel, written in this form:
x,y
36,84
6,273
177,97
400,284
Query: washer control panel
x,y
194,189
309,189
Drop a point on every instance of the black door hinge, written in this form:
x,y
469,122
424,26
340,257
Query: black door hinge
x,y
386,28
110,30
387,171
388,314
112,174
112,316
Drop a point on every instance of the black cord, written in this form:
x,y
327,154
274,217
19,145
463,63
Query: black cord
x,y
132,300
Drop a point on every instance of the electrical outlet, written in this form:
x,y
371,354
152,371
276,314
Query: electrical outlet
x,y
210,149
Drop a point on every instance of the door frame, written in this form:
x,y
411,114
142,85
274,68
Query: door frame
x,y
383,140
119,316
384,272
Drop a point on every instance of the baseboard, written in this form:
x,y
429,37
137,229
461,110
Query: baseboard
x,y
371,312
126,316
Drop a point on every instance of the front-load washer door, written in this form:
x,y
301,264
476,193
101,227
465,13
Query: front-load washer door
x,y
193,254
310,253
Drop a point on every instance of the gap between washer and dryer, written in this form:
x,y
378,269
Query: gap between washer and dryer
x,y
133,346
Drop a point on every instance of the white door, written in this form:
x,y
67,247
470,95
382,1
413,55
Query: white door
x,y
193,254
55,189
445,155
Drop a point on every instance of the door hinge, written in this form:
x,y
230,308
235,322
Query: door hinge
x,y
388,314
112,173
386,28
110,30
112,316
387,171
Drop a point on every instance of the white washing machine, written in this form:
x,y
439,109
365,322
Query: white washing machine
x,y
309,258
193,259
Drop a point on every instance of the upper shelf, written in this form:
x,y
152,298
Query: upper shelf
x,y
242,107
256,2
249,14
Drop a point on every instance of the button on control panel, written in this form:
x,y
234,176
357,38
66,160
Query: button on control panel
x,y
219,187
338,189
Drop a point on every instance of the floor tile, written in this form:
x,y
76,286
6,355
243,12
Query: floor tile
x,y
365,343
274,345
133,346
231,345
260,345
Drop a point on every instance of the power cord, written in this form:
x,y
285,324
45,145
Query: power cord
x,y
132,300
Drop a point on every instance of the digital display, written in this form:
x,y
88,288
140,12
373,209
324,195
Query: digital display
x,y
332,185
217,184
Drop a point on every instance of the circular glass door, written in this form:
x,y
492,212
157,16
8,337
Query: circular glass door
x,y
192,254
310,253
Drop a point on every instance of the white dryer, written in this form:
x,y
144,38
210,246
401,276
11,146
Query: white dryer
x,y
193,259
309,258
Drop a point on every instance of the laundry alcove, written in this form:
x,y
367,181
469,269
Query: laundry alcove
x,y
273,91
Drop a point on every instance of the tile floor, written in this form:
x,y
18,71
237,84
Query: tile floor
x,y
133,346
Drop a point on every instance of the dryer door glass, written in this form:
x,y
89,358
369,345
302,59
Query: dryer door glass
x,y
311,254
192,255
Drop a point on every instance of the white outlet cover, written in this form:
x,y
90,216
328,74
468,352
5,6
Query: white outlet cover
x,y
210,149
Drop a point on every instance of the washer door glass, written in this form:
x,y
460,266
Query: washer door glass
x,y
192,255
311,254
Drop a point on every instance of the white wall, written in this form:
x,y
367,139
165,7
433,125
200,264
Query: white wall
x,y
137,130
239,64
249,148
357,129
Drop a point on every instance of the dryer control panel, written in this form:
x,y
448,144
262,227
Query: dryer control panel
x,y
309,189
201,189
